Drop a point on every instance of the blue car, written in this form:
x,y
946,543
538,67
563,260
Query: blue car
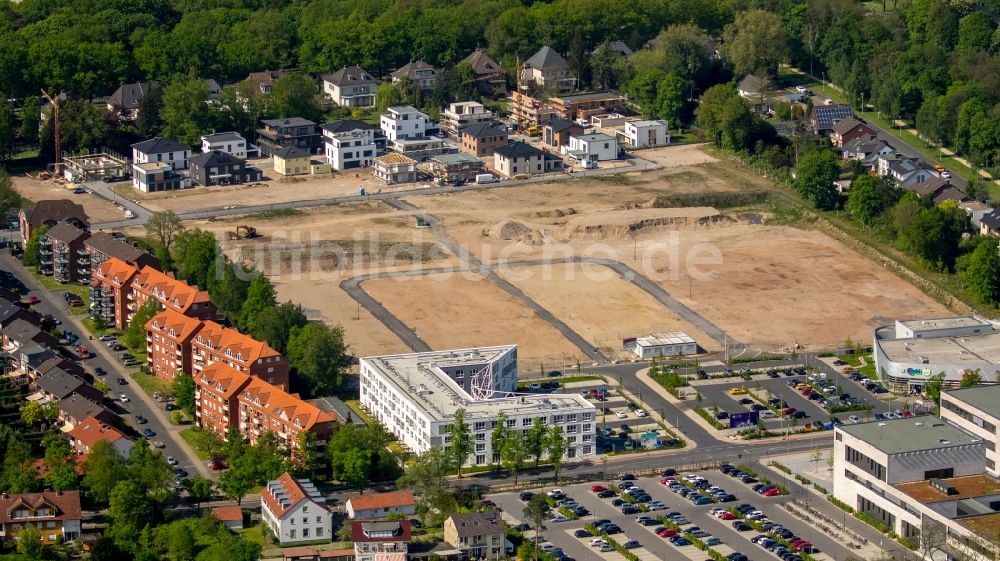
x,y
148,433
703,501
682,542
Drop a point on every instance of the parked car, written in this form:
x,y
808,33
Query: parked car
x,y
148,433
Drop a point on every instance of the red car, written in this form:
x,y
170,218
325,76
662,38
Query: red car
x,y
33,299
772,492
802,544
907,414
727,516
667,480
668,533
598,488
788,411
216,465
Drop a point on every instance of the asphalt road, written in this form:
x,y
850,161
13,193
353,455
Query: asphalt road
x,y
139,403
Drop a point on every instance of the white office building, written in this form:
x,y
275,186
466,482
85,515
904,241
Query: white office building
x,y
646,134
910,352
917,473
673,343
977,411
295,511
231,143
349,144
415,397
404,122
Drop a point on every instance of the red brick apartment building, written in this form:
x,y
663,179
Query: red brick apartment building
x,y
119,289
168,343
216,343
225,398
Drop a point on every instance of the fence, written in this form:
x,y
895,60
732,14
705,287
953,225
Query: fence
x,y
602,475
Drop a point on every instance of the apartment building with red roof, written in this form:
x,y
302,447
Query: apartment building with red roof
x,y
217,343
263,407
295,511
216,406
56,514
109,292
168,343
172,293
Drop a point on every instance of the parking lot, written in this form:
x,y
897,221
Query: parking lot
x,y
653,547
766,387
622,424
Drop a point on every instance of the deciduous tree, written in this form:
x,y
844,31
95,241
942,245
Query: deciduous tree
x,y
514,454
817,170
555,447
104,468
535,440
275,325
982,274
295,95
755,43
130,511
259,297
461,440
186,112
134,336
499,437
869,197
318,354
182,389
164,227
32,250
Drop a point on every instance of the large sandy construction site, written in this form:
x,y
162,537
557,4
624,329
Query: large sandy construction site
x,y
768,286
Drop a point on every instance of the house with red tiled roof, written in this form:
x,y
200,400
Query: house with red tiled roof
x,y
230,516
216,343
380,541
263,407
381,505
216,404
172,293
168,343
89,431
56,514
295,511
110,290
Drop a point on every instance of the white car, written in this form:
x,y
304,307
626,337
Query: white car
x,y
621,414
853,419
801,89
555,492
123,398
767,415
171,461
597,542
640,413
559,518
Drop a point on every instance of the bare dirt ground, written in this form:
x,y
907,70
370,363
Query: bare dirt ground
x,y
466,311
600,305
298,188
677,156
98,209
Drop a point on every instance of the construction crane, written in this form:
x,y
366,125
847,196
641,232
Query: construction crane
x,y
55,115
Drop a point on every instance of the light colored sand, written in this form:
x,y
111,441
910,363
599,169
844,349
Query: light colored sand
x,y
97,209
469,311
676,156
600,305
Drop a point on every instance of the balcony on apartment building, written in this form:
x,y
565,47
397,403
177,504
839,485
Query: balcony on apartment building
x,y
45,250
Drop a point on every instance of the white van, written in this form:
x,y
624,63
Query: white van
x,y
483,178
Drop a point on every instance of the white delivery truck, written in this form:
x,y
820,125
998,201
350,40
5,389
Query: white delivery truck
x,y
482,178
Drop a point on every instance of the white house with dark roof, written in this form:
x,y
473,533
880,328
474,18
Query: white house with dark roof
x,y
128,97
547,68
161,150
231,143
517,158
351,86
349,144
295,511
417,72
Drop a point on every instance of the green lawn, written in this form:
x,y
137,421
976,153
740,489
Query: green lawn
x,y
356,409
89,324
150,384
59,288
855,360
253,534
202,442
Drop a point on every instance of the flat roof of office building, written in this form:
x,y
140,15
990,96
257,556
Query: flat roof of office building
x,y
984,398
897,436
963,349
964,488
944,323
420,376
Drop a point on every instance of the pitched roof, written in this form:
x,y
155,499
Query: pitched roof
x,y
931,186
752,84
287,122
228,513
61,363
991,219
78,407
129,96
59,383
394,158
214,88
620,48
171,292
116,272
159,145
481,63
65,503
390,531
560,125
410,69
825,115
276,402
350,75
89,431
216,158
283,493
347,125
109,245
56,210
240,347
266,76
175,325
223,378
480,130
287,152
518,149
950,193
21,331
10,311
469,524
65,232
382,500
843,126
546,58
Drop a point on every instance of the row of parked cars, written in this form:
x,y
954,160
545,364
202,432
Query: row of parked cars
x,y
111,342
764,489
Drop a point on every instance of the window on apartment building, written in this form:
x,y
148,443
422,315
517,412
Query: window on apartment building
x,y
990,464
291,533
305,532
319,519
511,423
480,459
319,531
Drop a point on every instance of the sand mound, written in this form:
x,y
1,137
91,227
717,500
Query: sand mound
x,y
627,223
557,213
511,230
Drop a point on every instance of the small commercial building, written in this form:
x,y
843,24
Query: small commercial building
x,y
395,168
456,167
673,343
976,411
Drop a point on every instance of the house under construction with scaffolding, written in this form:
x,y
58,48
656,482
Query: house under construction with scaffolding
x,y
97,166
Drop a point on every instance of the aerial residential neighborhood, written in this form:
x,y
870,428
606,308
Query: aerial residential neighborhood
x,y
624,280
